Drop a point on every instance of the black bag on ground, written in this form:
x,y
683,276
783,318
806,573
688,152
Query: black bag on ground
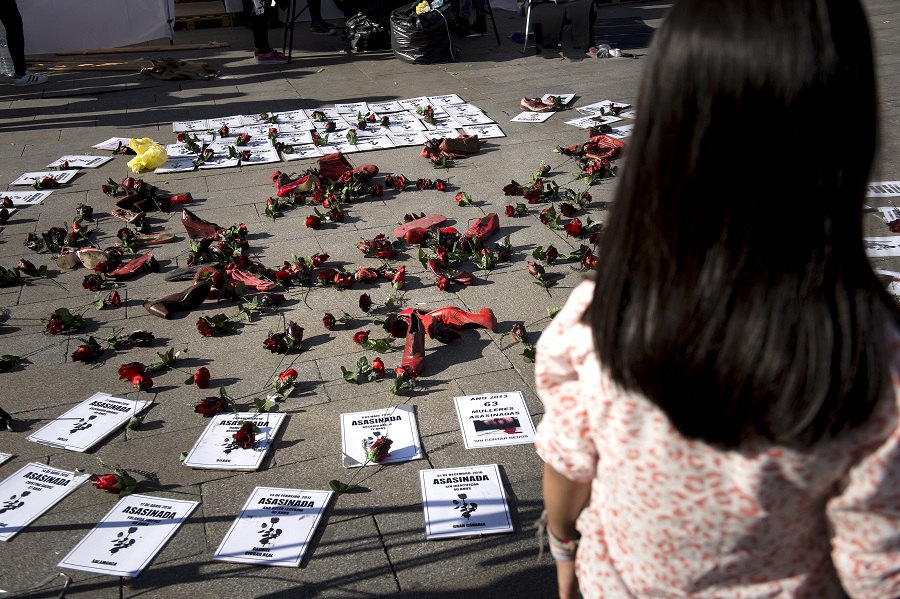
x,y
423,38
366,35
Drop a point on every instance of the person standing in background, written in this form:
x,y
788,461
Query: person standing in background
x,y
15,42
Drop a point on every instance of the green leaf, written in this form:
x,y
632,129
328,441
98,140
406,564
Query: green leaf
x,y
41,271
189,380
349,376
340,488
528,354
182,456
552,312
381,346
263,404
135,422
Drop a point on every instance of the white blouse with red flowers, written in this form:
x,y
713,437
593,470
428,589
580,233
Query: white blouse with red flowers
x,y
674,517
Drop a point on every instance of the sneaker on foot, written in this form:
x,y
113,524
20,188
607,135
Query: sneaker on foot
x,y
322,28
273,57
30,78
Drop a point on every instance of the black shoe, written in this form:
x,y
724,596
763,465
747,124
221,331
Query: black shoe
x,y
322,28
461,29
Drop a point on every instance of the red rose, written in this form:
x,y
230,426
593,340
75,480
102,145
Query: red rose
x,y
589,260
551,255
55,325
574,228
401,371
567,209
365,275
210,406
201,377
313,221
288,376
274,345
92,282
294,331
329,320
26,267
326,275
378,366
586,197
107,482
343,280
360,337
378,190
535,269
83,353
245,437
503,254
142,383
365,302
595,238
422,184
399,279
385,253
397,328
399,182
442,254
140,339
443,283
519,333
114,299
204,327
440,185
336,215
319,259
130,370
389,180
379,450
510,211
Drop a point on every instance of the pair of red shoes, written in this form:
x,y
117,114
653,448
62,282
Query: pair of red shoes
x,y
442,324
335,166
415,231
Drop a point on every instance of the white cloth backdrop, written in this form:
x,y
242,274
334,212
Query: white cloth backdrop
x,y
68,26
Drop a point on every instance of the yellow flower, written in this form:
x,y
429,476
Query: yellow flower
x,y
150,155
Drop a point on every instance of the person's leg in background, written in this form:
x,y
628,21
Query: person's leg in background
x,y
479,25
259,25
15,42
319,26
463,16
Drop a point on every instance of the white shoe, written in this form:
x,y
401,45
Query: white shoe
x,y
30,78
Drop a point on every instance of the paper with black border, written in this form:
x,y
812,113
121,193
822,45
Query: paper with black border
x,y
89,422
485,131
137,527
478,419
274,527
464,502
26,198
31,177
81,161
29,492
112,143
190,126
879,247
563,98
398,423
214,449
883,189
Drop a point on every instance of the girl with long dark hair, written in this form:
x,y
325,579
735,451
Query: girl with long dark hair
x,y
722,398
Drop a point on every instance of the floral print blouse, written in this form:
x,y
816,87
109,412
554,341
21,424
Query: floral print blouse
x,y
675,517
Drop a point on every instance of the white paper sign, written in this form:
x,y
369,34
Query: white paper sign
x,y
563,98
89,422
461,109
629,114
30,492
386,107
274,527
330,113
883,189
531,117
299,152
178,164
219,161
30,178
879,247
294,116
414,138
293,139
442,121
890,279
485,131
26,198
192,126
352,108
890,214
256,119
112,143
231,122
374,143
494,419
359,430
470,119
262,155
621,132
129,536
445,100
177,150
605,105
587,122
81,161
462,502
295,127
5,457
414,103
216,448
405,126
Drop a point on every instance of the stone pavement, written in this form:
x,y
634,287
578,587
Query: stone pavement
x,y
372,543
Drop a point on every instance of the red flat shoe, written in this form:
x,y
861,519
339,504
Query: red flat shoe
x,y
536,105
144,262
182,301
196,227
422,224
302,184
484,227
251,281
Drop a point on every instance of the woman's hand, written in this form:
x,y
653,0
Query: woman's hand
x,y
565,577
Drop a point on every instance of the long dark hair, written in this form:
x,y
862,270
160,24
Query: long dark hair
x,y
733,289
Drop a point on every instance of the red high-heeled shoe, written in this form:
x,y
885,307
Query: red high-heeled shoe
x,y
196,227
414,352
185,300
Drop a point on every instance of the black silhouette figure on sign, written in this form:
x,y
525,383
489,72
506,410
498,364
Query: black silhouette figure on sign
x,y
229,445
123,541
82,424
465,508
269,532
14,503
